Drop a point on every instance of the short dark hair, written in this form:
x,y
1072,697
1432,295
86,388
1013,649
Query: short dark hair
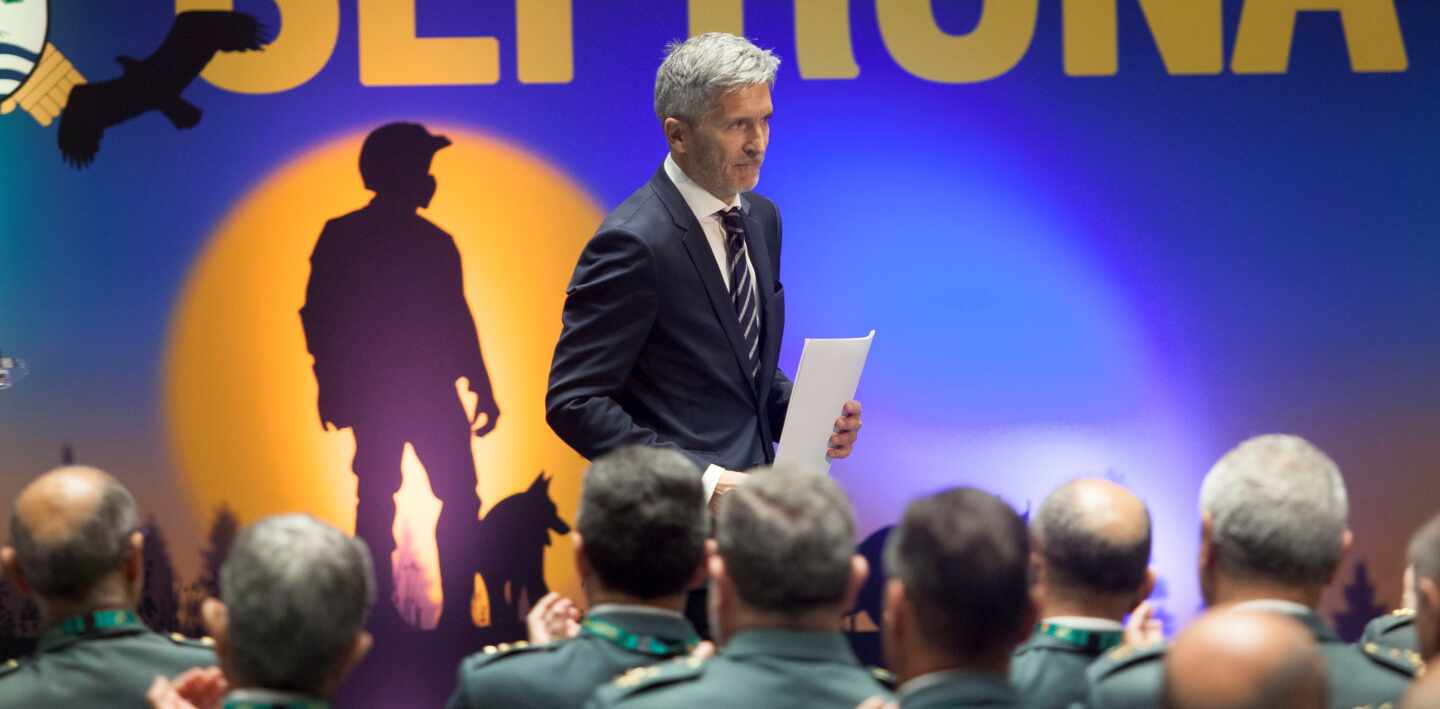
x,y
787,537
963,556
1425,551
1080,556
643,520
69,568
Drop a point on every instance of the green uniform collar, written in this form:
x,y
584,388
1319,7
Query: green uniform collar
x,y
1093,641
98,623
958,688
266,699
668,642
814,645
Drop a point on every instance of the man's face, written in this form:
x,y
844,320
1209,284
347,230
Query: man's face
x,y
727,145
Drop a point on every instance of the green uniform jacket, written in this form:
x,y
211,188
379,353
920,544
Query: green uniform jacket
x,y
1395,629
564,674
958,689
89,666
1049,672
757,669
1359,676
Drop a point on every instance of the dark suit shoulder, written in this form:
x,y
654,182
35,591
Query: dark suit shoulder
x,y
642,680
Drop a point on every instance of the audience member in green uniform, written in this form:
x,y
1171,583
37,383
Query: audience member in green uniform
x,y
1265,660
1273,533
639,546
783,570
957,602
1090,567
75,549
290,621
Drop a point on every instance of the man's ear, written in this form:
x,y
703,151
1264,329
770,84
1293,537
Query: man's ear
x,y
1427,593
1347,542
1207,546
714,563
676,132
1146,587
216,618
582,564
895,613
134,564
859,571
359,648
13,573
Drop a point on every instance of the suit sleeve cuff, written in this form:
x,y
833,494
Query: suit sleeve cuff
x,y
711,478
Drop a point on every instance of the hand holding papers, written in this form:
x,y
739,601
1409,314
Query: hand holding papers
x,y
828,376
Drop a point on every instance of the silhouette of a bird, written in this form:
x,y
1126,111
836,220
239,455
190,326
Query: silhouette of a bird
x,y
155,83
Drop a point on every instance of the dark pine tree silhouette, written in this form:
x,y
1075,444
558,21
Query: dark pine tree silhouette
x,y
1360,605
159,602
67,454
222,534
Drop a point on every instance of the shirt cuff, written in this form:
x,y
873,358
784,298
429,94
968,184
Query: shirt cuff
x,y
711,478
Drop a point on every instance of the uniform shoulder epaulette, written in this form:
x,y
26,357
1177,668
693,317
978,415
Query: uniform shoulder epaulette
x,y
884,677
492,653
1122,657
204,643
9,666
1407,662
1388,622
647,677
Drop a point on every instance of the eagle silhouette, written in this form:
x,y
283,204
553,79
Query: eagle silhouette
x,y
155,83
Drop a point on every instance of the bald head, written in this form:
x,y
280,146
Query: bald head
x,y
1244,660
70,529
1094,537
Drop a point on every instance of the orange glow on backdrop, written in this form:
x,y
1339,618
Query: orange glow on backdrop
x,y
240,395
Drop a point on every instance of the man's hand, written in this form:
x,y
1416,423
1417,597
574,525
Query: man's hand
x,y
196,688
555,617
729,480
847,429
877,703
491,411
1143,628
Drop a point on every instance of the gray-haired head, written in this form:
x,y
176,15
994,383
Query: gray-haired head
x,y
643,521
71,529
787,537
298,592
699,70
1423,587
1277,509
1424,555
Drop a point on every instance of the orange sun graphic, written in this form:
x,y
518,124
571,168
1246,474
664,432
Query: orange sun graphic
x,y
240,394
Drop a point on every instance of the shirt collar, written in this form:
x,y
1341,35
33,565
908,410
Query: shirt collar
x,y
1080,622
988,686
268,698
645,620
819,645
697,198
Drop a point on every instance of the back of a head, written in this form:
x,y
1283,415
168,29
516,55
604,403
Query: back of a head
x,y
1278,509
1245,660
1095,538
298,592
1423,577
1424,554
643,521
71,529
787,537
700,69
963,557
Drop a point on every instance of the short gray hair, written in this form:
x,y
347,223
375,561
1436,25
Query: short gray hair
x,y
1425,552
297,590
1277,509
70,568
699,70
787,536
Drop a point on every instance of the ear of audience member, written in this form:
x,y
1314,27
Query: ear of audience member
x,y
958,599
639,545
295,594
75,550
1245,660
1425,562
1090,567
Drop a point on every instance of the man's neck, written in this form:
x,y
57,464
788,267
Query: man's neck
x,y
53,612
921,661
1086,607
1228,591
603,597
825,620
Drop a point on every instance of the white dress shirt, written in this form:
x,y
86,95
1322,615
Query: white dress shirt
x,y
706,208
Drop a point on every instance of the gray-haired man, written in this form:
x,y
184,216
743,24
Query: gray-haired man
x,y
783,569
1273,532
74,548
290,621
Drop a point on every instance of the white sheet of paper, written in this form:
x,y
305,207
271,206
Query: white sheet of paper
x,y
828,376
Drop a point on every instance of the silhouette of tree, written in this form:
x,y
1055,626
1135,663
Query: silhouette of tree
x,y
1360,605
222,534
191,621
9,607
159,603
67,454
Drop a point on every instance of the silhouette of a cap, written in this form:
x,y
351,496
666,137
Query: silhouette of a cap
x,y
396,152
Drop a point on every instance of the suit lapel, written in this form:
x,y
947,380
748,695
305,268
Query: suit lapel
x,y
704,261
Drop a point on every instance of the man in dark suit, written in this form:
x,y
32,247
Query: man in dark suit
x,y
674,315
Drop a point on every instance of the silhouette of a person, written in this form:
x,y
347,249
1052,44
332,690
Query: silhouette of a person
x,y
386,320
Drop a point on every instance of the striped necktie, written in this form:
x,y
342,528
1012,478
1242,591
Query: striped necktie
x,y
742,291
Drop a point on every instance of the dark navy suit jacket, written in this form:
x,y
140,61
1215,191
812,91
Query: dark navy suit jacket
x,y
651,352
